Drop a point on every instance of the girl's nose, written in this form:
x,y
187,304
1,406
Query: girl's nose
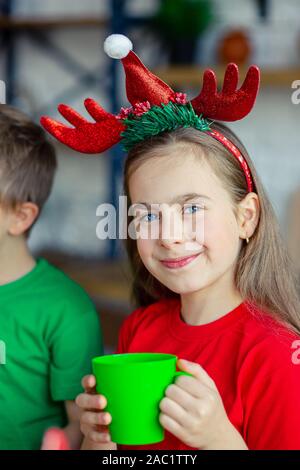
x,y
168,242
171,230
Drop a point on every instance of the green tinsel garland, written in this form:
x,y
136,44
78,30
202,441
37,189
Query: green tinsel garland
x,y
158,119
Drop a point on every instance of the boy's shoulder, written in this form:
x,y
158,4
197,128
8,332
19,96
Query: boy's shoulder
x,y
58,287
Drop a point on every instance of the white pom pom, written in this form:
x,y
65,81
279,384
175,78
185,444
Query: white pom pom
x,y
117,46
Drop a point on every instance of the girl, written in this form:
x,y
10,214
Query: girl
x,y
223,296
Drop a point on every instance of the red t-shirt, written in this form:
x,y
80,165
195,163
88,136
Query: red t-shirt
x,y
251,357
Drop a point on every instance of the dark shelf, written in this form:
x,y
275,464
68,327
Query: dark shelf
x,y
41,23
178,76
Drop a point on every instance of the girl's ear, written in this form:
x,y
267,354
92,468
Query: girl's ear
x,y
22,218
248,215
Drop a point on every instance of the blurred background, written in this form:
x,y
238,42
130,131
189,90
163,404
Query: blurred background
x,y
52,52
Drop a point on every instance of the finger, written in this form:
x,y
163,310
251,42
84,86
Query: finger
x,y
179,395
172,426
197,371
95,435
87,428
173,410
96,418
91,402
99,437
193,387
92,418
101,428
89,383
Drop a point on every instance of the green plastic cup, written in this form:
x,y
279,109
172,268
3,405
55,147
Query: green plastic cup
x,y
134,384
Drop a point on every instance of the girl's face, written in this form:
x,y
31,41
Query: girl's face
x,y
203,228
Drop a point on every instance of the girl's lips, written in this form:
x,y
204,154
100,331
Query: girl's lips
x,y
179,263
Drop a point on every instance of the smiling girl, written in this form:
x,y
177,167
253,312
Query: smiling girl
x,y
222,297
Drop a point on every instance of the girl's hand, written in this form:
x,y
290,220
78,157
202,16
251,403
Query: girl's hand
x,y
193,411
93,421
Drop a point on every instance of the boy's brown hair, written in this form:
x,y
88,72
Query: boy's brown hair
x,y
27,160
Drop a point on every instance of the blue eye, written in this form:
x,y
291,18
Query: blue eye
x,y
193,209
148,217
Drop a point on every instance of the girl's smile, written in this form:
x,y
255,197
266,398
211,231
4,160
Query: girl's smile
x,y
179,262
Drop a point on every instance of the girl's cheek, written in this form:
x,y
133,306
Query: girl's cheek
x,y
225,239
194,229
219,232
145,248
209,232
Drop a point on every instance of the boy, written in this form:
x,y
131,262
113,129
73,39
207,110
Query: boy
x,y
48,324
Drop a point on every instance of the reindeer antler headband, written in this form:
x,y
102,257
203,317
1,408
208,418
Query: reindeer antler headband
x,y
157,108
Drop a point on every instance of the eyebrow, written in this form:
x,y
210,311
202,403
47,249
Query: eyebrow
x,y
178,199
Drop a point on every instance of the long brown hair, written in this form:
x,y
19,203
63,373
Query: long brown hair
x,y
264,273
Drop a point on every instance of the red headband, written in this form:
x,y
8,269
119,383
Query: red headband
x,y
142,86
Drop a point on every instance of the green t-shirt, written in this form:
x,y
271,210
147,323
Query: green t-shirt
x,y
51,331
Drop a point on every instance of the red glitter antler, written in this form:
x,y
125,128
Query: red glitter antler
x,y
230,104
85,136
